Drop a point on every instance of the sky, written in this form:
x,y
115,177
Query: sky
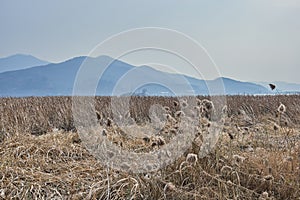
x,y
249,40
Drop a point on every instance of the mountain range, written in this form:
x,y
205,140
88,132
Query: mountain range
x,y
119,78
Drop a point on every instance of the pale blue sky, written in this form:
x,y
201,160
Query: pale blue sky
x,y
253,40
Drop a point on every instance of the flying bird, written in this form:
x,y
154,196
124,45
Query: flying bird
x,y
272,86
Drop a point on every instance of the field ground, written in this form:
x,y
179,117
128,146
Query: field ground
x,y
257,155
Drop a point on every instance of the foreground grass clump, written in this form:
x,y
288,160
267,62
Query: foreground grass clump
x,y
257,155
56,166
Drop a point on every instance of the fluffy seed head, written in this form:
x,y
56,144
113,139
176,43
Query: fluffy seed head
x,y
169,186
184,103
208,104
147,176
281,109
167,108
191,158
158,141
225,110
179,113
269,178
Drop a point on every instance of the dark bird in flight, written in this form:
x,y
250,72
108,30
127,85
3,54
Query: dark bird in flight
x,y
272,86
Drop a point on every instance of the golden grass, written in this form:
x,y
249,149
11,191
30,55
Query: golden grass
x,y
252,159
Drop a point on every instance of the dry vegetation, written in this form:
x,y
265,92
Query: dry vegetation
x,y
256,157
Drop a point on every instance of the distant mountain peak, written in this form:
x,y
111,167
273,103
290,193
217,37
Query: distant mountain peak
x,y
19,61
21,55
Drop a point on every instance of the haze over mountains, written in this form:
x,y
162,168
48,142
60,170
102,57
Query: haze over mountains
x,y
58,79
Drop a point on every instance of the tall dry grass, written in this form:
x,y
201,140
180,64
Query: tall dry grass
x,y
256,157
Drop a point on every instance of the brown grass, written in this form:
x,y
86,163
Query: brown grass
x,y
41,156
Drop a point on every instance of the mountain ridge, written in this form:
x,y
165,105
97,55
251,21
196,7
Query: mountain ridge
x,y
55,79
20,61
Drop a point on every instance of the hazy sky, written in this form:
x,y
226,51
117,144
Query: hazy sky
x,y
252,40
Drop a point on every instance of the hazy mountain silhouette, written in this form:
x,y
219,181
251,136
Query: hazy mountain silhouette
x,y
19,61
58,79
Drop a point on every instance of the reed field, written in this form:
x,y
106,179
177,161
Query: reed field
x,y
256,156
